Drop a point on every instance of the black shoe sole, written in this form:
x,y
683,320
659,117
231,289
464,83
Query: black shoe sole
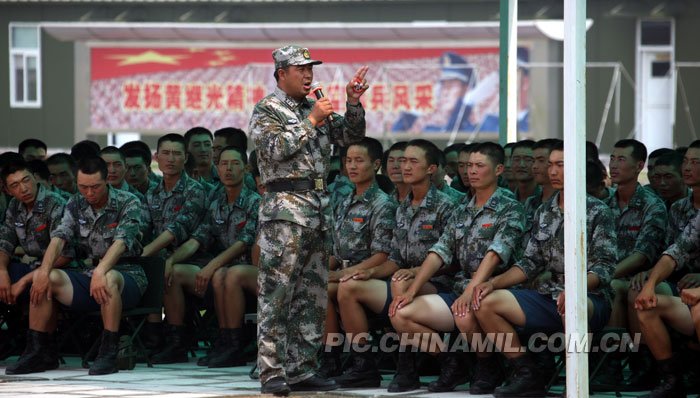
x,y
361,384
101,373
404,388
283,391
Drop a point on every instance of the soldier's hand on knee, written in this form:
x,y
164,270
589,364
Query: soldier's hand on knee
x,y
480,292
202,280
5,286
403,275
646,299
41,289
98,287
168,275
690,296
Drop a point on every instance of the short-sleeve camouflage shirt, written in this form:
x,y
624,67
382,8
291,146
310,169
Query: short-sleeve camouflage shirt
x,y
226,223
419,228
641,226
290,147
363,225
93,231
545,249
686,249
473,231
32,229
179,211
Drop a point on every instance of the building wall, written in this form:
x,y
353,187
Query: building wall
x,y
611,39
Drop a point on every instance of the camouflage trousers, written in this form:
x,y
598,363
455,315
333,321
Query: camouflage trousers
x,y
293,279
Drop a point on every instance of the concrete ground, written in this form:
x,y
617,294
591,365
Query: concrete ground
x,y
173,381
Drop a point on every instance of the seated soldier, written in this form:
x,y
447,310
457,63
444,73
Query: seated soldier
x,y
116,170
137,167
32,214
651,166
507,311
669,179
481,236
420,219
63,170
681,213
641,220
657,312
438,180
462,169
394,164
103,222
364,221
176,205
143,148
522,159
656,302
32,149
227,233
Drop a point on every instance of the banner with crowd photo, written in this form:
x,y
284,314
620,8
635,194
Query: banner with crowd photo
x,y
411,90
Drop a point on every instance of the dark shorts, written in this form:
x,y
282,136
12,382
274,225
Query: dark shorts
x,y
541,312
441,290
449,298
83,302
17,270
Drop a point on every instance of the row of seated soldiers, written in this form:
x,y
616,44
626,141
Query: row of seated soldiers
x,y
483,254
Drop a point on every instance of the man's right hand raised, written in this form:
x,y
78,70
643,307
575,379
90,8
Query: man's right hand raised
x,y
321,110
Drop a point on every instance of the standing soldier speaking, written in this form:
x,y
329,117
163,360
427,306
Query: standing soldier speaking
x,y
293,137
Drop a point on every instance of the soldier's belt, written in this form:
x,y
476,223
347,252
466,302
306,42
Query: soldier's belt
x,y
298,185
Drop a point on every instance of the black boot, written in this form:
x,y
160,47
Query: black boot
x,y
671,385
175,347
329,364
488,375
39,355
231,353
106,361
363,372
406,378
453,372
215,349
643,373
151,335
525,381
609,377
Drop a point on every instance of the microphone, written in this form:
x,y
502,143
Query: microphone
x,y
318,92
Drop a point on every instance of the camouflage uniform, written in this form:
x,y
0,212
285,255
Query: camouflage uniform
x,y
680,214
4,200
93,232
65,195
418,229
363,225
339,189
226,223
683,237
179,211
294,239
31,230
641,226
473,231
537,193
456,195
545,250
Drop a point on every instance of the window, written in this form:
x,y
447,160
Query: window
x,y
25,66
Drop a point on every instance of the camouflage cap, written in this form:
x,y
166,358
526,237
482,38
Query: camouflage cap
x,y
292,55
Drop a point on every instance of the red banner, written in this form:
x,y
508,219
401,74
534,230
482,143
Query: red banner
x,y
412,90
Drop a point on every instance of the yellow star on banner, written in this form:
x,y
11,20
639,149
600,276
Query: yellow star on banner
x,y
148,57
224,56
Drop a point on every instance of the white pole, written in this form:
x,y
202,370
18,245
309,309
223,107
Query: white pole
x,y
575,194
513,71
509,75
